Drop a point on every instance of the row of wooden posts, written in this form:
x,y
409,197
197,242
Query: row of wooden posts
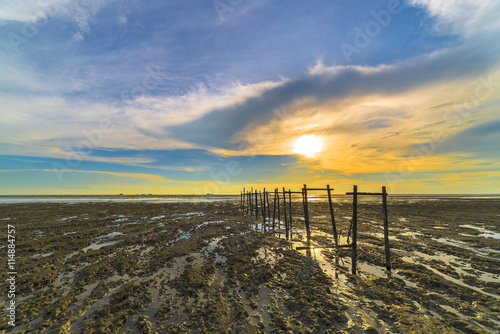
x,y
249,205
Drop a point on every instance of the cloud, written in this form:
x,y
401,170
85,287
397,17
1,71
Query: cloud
x,y
151,115
32,11
78,36
480,139
468,17
221,127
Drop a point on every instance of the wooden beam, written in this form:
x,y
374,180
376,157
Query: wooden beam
x,y
368,194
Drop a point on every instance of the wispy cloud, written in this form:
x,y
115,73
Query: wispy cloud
x,y
221,127
466,17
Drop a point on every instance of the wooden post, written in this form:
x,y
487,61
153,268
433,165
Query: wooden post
x,y
256,205
251,201
279,209
386,231
306,217
354,229
274,209
290,209
268,210
263,202
241,201
334,226
284,212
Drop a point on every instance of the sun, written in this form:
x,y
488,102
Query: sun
x,y
307,145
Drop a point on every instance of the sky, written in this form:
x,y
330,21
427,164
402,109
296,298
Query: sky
x,y
196,97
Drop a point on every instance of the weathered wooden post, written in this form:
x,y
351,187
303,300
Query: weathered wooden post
x,y
386,231
245,205
250,204
256,205
306,217
268,211
284,212
251,201
274,209
290,209
263,209
334,226
279,209
354,229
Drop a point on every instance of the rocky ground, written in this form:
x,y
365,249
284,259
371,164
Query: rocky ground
x,y
205,268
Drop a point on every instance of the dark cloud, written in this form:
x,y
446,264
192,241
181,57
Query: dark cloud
x,y
482,138
219,127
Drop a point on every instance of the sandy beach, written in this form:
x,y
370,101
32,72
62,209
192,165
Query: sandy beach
x,y
131,267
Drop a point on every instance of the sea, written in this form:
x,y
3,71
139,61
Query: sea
x,y
10,199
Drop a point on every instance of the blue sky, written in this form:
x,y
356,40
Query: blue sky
x,y
208,96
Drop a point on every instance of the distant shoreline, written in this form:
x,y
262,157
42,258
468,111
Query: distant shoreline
x,y
12,199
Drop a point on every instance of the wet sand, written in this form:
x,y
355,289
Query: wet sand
x,y
205,268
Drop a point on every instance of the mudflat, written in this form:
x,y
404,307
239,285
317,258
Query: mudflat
x,y
128,267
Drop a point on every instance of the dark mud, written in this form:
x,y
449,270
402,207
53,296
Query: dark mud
x,y
202,268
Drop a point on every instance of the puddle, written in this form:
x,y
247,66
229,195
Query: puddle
x,y
64,279
36,256
97,245
110,235
485,233
181,235
64,219
412,234
449,278
380,271
266,255
463,244
157,217
189,214
210,222
120,220
461,266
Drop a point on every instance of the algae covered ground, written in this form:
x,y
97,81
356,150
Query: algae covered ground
x,y
204,267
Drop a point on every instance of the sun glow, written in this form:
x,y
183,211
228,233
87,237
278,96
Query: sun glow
x,y
307,145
